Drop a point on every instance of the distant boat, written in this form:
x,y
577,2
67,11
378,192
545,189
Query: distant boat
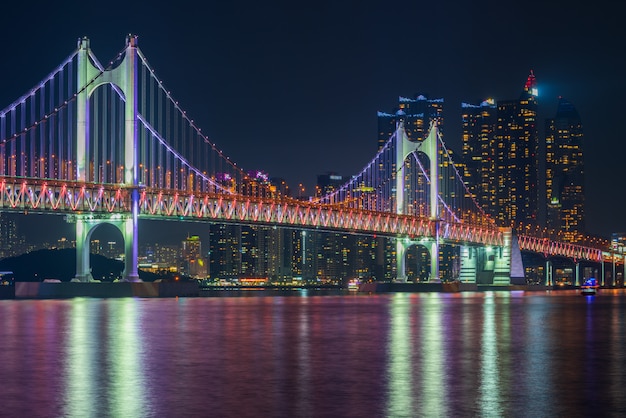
x,y
589,287
354,284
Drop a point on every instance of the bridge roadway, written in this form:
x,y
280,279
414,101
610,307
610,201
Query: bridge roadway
x,y
107,200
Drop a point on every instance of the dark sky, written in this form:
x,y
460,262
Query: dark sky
x,y
293,87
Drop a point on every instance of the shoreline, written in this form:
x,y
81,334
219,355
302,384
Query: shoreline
x,y
64,290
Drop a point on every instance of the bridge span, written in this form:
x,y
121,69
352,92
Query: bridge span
x,y
109,144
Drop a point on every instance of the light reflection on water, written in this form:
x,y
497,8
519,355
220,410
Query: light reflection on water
x,y
489,361
385,355
400,365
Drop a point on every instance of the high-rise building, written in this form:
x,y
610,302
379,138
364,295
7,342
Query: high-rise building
x,y
478,136
417,114
279,251
565,174
328,183
224,250
304,261
193,264
515,153
11,243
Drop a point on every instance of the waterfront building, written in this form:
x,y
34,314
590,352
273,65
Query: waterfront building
x,y
279,251
304,260
11,242
254,251
343,256
565,174
477,155
193,263
224,251
516,162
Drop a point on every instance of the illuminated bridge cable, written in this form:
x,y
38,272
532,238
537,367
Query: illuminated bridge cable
x,y
48,116
460,179
183,114
358,181
443,203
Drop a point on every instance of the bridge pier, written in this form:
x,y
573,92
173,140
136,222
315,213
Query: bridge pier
x,y
469,261
86,224
502,271
401,247
434,261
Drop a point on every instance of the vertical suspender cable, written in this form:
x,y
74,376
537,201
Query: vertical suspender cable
x,y
3,137
70,119
42,157
33,162
144,163
95,134
12,146
60,126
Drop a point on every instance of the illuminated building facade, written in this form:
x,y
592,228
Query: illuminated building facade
x,y
478,136
417,115
565,174
193,264
11,243
515,154
304,260
329,182
224,251
279,251
332,249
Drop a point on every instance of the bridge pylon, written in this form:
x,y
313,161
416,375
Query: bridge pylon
x,y
124,77
404,148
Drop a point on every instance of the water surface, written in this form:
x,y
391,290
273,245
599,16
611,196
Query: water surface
x,y
514,354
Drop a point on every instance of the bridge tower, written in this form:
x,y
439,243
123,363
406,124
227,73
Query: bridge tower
x,y
124,77
430,147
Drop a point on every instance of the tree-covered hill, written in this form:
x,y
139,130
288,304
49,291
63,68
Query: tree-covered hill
x,y
61,264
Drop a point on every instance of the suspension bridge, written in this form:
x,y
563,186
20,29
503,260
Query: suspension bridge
x,y
108,143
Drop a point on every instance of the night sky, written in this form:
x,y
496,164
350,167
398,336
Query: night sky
x,y
293,87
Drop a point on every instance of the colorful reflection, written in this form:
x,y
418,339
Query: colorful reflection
x,y
382,355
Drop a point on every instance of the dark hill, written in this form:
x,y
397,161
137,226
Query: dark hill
x,y
61,264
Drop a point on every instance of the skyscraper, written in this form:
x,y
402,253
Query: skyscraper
x,y
193,264
515,153
417,115
225,251
565,172
478,136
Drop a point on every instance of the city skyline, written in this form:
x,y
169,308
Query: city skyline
x,y
292,90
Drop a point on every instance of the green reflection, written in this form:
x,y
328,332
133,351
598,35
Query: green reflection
x,y
400,400
103,373
490,402
127,384
80,392
432,376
